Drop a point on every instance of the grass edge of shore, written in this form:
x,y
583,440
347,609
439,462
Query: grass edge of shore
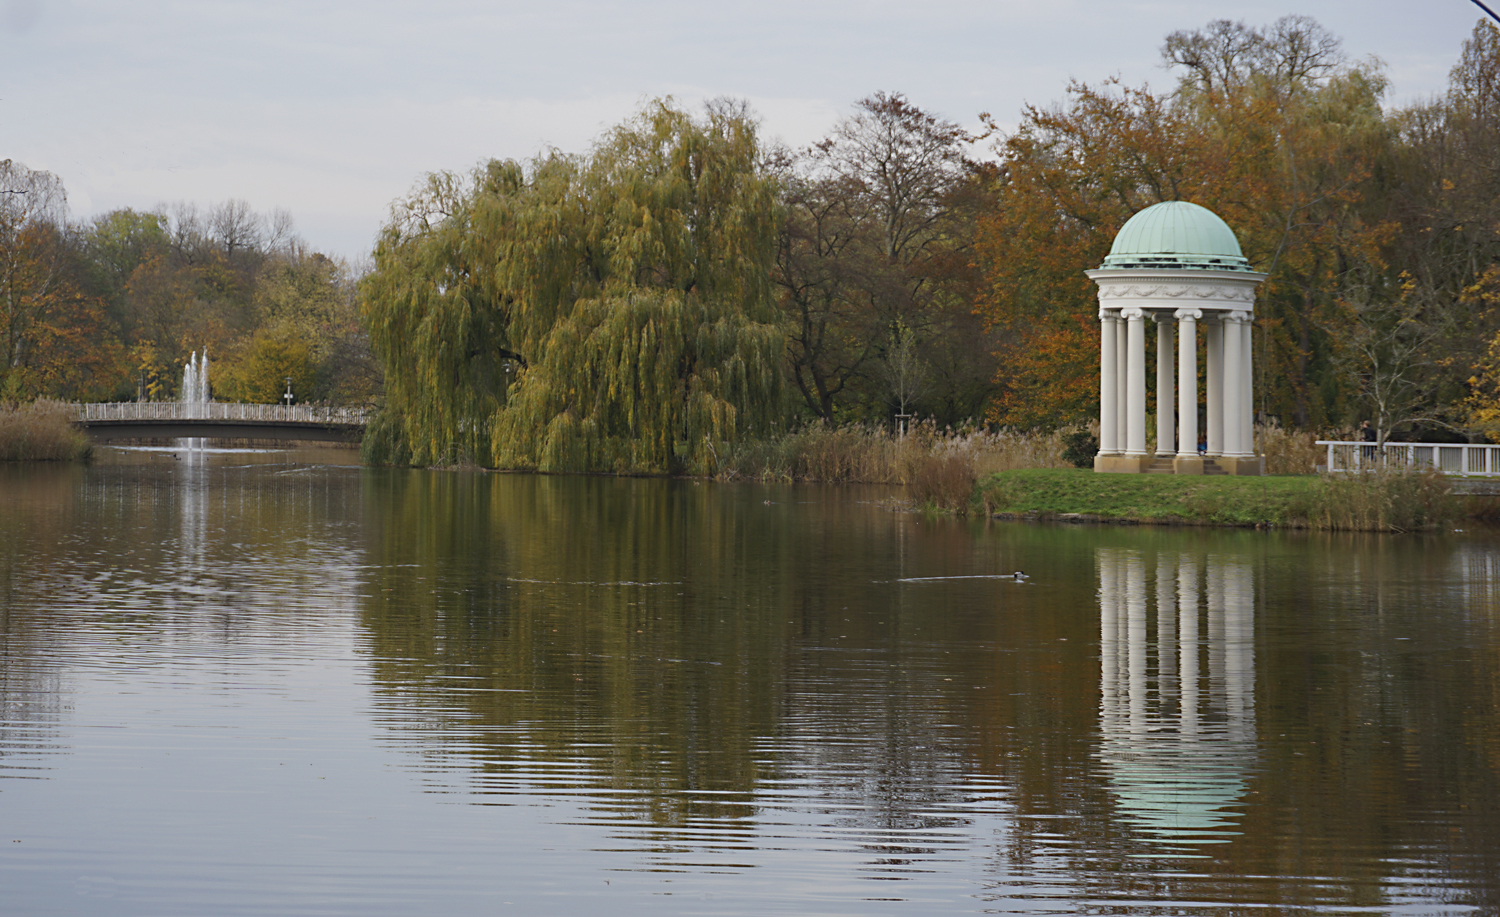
x,y
1372,502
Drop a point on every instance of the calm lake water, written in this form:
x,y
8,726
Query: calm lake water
x,y
276,683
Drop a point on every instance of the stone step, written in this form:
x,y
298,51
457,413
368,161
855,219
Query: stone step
x,y
1165,466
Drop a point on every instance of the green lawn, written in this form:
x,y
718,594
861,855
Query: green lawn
x,y
1205,500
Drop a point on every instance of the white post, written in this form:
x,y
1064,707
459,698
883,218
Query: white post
x,y
1233,427
1109,389
1135,391
1214,407
1187,381
1166,428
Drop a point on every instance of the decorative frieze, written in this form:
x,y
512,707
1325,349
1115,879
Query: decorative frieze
x,y
1208,293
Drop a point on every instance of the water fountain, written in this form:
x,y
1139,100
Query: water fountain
x,y
195,381
195,395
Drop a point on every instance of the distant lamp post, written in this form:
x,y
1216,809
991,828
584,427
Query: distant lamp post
x,y
288,396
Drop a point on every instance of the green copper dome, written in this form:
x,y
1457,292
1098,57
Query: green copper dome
x,y
1175,235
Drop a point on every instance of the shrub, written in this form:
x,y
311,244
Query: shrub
x,y
1079,448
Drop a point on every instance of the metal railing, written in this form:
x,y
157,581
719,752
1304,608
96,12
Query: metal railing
x,y
265,413
1479,460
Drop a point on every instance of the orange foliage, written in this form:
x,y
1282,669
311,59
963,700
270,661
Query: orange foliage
x,y
1283,163
1071,178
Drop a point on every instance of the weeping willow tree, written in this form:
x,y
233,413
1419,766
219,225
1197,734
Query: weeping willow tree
x,y
610,312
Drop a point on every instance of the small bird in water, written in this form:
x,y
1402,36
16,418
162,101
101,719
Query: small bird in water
x,y
1020,576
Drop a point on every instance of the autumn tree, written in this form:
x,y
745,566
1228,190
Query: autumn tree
x,y
1069,178
876,237
52,333
308,329
626,293
1270,128
1289,145
831,335
239,283
1444,193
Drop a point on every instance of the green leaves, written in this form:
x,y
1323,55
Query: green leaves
x,y
627,292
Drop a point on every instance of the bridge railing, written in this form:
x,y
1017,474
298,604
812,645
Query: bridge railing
x,y
1459,459
265,413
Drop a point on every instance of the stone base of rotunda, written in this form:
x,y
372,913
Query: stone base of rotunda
x,y
1254,465
1139,464
1191,464
1122,464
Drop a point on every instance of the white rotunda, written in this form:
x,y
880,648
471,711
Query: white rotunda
x,y
1180,265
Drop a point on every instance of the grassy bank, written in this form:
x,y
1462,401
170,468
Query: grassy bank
x,y
1389,502
41,432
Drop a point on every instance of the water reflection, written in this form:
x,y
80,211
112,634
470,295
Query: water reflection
x,y
662,652
1177,687
413,688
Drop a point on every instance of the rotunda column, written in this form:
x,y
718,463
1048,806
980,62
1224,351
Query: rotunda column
x,y
1122,382
1166,429
1187,381
1233,401
1247,390
1135,386
1213,407
1109,384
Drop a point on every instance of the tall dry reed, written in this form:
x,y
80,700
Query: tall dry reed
x,y
938,466
1385,500
1289,451
42,431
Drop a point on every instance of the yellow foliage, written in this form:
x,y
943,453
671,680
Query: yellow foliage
x,y
258,372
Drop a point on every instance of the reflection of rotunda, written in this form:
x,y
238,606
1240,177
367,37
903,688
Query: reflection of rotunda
x,y
1177,691
1181,265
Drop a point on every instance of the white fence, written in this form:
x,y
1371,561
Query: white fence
x,y
266,413
1482,460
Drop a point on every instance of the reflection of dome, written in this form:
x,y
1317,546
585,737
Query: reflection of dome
x,y
1176,235
1176,789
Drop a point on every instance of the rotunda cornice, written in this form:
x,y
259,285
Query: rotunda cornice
x,y
1206,289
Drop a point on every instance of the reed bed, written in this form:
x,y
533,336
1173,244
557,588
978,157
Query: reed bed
x,y
938,466
1393,500
1290,451
41,431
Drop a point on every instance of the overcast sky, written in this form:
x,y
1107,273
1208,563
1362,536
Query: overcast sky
x,y
333,109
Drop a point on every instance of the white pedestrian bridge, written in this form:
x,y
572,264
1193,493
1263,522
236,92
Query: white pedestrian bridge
x,y
213,420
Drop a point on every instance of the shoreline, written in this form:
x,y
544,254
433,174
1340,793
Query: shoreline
x,y
1095,519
